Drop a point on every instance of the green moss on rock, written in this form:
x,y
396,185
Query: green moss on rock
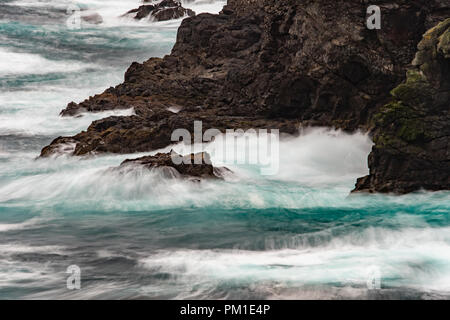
x,y
444,43
401,119
412,130
435,32
401,122
415,91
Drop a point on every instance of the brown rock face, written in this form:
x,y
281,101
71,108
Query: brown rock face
x,y
264,64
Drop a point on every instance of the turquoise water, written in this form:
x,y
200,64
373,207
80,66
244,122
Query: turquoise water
x,y
294,235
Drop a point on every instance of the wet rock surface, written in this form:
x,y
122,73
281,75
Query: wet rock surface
x,y
272,64
92,18
190,166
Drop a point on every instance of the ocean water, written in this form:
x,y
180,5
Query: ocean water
x,y
294,235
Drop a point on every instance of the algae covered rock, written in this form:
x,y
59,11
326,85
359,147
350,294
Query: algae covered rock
x,y
412,133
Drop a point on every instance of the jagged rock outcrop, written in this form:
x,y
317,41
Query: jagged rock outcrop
x,y
412,133
190,166
161,11
263,64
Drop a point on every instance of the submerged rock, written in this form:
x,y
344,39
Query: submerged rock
x,y
276,65
192,166
412,132
92,18
162,11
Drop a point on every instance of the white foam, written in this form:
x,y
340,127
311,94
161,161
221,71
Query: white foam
x,y
28,224
17,63
204,6
324,156
320,156
36,112
28,274
71,178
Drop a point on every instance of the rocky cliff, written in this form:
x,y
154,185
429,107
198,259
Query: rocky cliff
x,y
191,166
286,64
160,11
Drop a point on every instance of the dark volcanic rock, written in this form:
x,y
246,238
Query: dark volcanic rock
x,y
163,11
264,64
61,145
194,165
92,18
412,133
